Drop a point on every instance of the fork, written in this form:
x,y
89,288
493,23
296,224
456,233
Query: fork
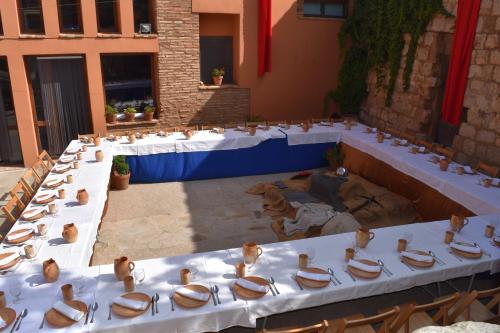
x,y
109,314
271,287
439,261
294,277
171,297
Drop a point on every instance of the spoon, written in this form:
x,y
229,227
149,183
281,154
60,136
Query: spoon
x,y
23,314
216,291
95,306
330,271
157,298
386,271
274,285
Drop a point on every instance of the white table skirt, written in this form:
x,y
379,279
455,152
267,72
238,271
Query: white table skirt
x,y
279,260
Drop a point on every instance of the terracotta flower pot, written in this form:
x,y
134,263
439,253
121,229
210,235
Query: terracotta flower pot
x,y
148,116
50,270
129,116
119,182
111,118
123,267
217,80
70,233
82,197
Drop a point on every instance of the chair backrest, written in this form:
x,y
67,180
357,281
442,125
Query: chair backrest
x,y
385,318
41,169
447,152
495,298
45,157
442,315
13,209
319,328
21,192
426,144
487,169
31,181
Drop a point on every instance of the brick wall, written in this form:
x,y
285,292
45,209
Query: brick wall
x,y
181,99
418,109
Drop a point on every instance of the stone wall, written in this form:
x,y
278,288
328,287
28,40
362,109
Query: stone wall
x,y
418,110
182,100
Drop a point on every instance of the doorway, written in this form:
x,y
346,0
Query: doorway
x,y
60,93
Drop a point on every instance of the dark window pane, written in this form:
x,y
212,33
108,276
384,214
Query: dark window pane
x,y
30,16
107,16
142,13
70,18
1,25
312,8
334,9
216,52
127,80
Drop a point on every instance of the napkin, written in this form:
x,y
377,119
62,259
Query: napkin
x,y
404,142
325,123
3,323
68,311
9,259
131,303
33,213
387,135
314,276
252,286
193,294
466,248
53,182
261,126
240,128
11,236
66,159
72,150
364,267
417,257
61,167
421,149
468,169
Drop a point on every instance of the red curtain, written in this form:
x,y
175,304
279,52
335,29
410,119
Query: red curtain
x,y
265,34
463,43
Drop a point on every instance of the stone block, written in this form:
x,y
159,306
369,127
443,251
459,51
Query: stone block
x,y
481,57
493,155
475,71
496,74
496,8
469,147
467,130
461,158
485,136
491,41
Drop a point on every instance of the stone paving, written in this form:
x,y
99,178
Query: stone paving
x,y
9,176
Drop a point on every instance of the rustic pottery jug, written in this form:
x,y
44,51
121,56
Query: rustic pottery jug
x,y
50,270
82,196
251,252
363,236
123,268
70,233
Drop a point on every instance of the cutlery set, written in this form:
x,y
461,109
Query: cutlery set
x,y
19,320
214,290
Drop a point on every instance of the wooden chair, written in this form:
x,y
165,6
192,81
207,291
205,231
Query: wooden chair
x,y
412,316
359,323
41,169
470,307
13,209
319,328
447,152
47,160
487,169
276,122
31,181
21,192
426,144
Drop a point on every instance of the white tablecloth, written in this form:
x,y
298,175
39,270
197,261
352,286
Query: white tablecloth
x,y
316,134
92,176
279,260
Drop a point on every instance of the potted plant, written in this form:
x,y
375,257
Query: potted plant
x,y
120,173
149,112
217,76
130,113
111,113
334,157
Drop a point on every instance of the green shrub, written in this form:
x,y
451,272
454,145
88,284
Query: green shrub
x,y
130,110
218,72
120,165
110,109
149,109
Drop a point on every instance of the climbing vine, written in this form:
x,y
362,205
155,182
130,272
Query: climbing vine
x,y
374,34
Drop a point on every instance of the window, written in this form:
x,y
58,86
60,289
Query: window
x,y
107,16
1,26
30,16
325,8
128,80
143,13
216,52
70,16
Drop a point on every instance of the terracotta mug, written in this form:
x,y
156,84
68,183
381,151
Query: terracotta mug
x,y
460,170
132,139
487,182
3,303
128,283
303,259
434,159
240,270
67,292
42,229
70,233
380,137
349,254
188,134
457,222
489,231
69,179
50,270
363,237
99,156
82,197
79,156
306,126
443,165
97,141
448,237
61,193
348,126
52,208
185,274
76,165
252,130
251,252
402,243
414,150
84,148
29,251
123,267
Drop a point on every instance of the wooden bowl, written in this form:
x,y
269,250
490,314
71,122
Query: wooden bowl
x,y
312,283
58,320
130,313
8,315
250,294
416,263
34,217
364,274
190,303
44,199
10,264
22,239
53,185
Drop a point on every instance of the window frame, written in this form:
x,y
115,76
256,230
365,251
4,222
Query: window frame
x,y
22,27
323,3
1,25
116,13
80,19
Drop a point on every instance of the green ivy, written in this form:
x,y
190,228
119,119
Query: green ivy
x,y
374,33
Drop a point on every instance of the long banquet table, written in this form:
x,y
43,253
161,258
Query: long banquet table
x,y
279,260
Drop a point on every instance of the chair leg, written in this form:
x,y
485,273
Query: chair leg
x,y
473,276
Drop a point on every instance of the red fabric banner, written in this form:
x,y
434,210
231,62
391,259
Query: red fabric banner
x,y
265,35
463,43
